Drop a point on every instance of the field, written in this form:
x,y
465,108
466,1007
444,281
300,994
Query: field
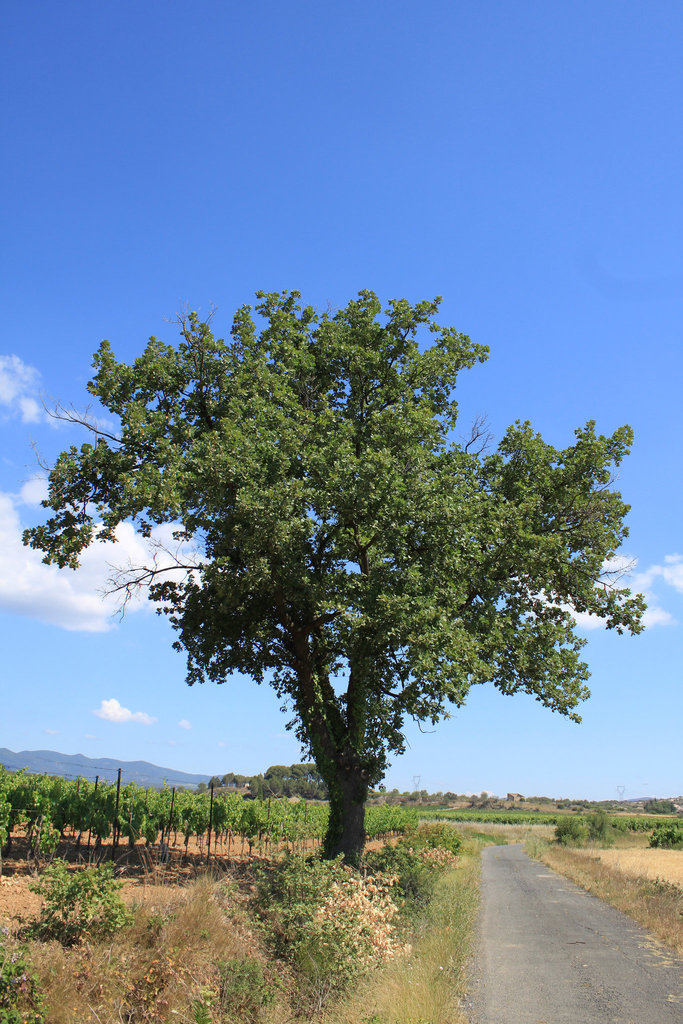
x,y
665,865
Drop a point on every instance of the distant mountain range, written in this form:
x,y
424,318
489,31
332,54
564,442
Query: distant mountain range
x,y
71,766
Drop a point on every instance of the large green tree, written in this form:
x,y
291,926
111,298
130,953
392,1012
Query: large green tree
x,y
348,550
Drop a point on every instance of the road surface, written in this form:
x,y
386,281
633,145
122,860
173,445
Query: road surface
x,y
550,953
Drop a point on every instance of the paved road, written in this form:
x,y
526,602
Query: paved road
x,y
549,953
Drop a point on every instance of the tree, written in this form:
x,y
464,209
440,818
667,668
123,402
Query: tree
x,y
333,538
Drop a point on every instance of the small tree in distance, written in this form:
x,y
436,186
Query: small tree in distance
x,y
346,549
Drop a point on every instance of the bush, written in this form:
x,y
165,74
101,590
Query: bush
x,y
329,922
416,861
571,830
437,836
244,991
667,836
416,877
79,904
600,828
20,997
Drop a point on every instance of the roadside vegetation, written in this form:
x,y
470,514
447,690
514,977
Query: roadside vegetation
x,y
293,938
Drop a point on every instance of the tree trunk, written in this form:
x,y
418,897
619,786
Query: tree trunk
x,y
346,827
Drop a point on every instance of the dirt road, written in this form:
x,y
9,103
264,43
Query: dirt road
x,y
549,953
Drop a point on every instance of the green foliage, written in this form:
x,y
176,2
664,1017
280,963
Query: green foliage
x,y
668,836
599,828
35,802
329,922
435,836
21,1001
329,527
201,1013
244,991
79,904
416,878
571,830
302,780
660,807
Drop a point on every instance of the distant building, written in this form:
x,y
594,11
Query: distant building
x,y
515,797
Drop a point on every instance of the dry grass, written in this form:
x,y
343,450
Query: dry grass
x,y
657,905
506,833
427,984
666,865
169,961
155,970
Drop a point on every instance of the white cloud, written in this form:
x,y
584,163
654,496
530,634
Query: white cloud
x,y
656,616
18,389
51,732
644,582
111,711
62,597
90,736
671,572
34,491
184,724
584,620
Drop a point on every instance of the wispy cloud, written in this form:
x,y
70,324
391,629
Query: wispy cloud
x,y
643,582
112,711
184,724
33,491
19,390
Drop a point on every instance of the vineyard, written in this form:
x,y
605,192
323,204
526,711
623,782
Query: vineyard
x,y
633,823
48,811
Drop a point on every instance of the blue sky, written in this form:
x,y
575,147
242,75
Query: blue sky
x,y
521,160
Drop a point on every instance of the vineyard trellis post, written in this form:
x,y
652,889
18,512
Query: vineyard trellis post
x,y
97,779
165,849
115,838
208,847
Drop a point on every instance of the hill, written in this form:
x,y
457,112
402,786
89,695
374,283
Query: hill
x,y
51,762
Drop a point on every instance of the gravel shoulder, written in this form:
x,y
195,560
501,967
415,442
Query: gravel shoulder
x,y
550,953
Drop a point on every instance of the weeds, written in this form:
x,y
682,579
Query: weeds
x,y
79,904
21,1000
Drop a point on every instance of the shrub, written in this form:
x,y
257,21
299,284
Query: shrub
x,y
599,828
329,922
416,876
20,997
244,991
667,836
417,860
436,836
571,830
79,904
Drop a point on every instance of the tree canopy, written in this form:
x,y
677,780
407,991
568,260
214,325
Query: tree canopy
x,y
333,537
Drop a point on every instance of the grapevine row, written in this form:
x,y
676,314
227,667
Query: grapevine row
x,y
640,823
45,807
